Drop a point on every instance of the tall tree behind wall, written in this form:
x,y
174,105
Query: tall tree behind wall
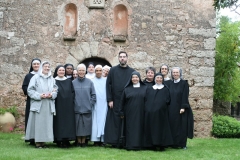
x,y
227,73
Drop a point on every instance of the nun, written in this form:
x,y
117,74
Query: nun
x,y
69,71
64,121
42,90
33,70
132,111
99,112
164,69
157,131
75,75
180,112
90,71
106,70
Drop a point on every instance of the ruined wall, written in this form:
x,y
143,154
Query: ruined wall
x,y
175,32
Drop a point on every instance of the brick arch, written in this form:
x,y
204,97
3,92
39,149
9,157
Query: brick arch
x,y
70,20
120,22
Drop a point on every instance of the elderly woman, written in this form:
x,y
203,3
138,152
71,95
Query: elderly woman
x,y
85,98
164,69
42,90
69,71
180,112
106,70
156,128
90,71
64,121
132,110
149,80
33,70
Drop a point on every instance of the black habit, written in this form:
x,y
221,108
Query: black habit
x,y
116,81
149,84
157,130
132,107
64,121
181,124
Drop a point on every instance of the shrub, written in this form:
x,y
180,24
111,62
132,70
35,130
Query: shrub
x,y
12,110
225,127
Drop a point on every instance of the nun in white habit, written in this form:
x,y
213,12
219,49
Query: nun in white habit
x,y
42,90
99,112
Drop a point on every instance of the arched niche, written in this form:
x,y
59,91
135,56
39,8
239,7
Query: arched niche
x,y
96,61
120,23
70,21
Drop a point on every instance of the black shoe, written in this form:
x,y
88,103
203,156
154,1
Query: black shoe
x,y
84,145
79,145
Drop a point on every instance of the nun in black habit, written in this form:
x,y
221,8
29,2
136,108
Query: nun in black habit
x,y
180,112
157,131
69,71
164,70
35,64
132,110
64,120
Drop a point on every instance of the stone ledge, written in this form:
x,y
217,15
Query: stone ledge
x,y
119,38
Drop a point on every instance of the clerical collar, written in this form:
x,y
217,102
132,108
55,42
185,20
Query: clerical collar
x,y
136,85
158,86
69,76
176,81
166,79
60,78
33,72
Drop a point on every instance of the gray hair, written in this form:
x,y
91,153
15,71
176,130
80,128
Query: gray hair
x,y
180,71
151,69
82,65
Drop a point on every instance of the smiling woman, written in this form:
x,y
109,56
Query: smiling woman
x,y
42,90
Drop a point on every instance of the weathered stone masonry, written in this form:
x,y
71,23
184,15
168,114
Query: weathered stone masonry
x,y
175,32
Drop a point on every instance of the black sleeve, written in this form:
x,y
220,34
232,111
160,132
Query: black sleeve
x,y
185,94
109,87
25,84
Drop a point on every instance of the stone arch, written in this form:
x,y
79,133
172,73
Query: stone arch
x,y
96,61
120,22
70,20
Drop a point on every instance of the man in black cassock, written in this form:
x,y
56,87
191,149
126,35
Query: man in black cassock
x,y
116,81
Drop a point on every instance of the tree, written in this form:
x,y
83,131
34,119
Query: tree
x,y
232,4
227,74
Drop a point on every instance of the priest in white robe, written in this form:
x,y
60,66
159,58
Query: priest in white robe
x,y
99,112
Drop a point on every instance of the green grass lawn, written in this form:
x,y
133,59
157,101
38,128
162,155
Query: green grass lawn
x,y
13,147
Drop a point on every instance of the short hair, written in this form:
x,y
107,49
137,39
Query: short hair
x,y
98,66
123,52
161,68
180,71
81,65
152,69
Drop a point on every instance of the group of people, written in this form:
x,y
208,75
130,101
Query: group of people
x,y
104,105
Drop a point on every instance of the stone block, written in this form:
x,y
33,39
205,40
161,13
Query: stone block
x,y
204,81
203,32
197,92
94,48
209,43
202,71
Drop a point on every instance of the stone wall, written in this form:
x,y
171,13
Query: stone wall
x,y
174,32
